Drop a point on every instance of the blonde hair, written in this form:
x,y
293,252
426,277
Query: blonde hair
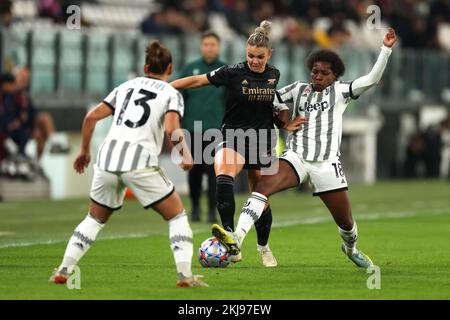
x,y
260,37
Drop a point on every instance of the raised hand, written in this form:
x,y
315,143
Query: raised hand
x,y
390,38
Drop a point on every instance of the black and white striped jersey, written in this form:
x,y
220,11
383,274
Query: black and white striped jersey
x,y
320,138
136,136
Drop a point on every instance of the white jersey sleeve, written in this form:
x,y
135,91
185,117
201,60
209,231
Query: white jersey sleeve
x,y
111,99
176,103
285,95
362,84
344,91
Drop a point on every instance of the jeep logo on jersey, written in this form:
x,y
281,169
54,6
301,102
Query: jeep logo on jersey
x,y
314,107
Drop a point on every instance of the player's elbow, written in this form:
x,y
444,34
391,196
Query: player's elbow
x,y
170,130
90,118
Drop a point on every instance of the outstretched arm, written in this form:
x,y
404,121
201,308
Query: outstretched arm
x,y
191,82
366,82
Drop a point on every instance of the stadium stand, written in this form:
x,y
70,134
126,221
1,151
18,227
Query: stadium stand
x,y
73,69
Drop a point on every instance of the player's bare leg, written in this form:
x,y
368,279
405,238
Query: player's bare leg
x,y
180,234
81,240
338,203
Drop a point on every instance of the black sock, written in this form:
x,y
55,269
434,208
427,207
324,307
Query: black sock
x,y
195,176
225,201
263,226
211,191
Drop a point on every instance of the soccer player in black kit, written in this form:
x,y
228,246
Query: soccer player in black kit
x,y
250,91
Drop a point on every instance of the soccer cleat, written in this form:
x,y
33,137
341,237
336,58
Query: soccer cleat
x,y
229,239
59,276
192,281
358,257
236,258
268,259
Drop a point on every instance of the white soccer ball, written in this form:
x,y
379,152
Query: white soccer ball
x,y
213,254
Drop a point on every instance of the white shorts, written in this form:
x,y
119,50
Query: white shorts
x,y
149,186
326,176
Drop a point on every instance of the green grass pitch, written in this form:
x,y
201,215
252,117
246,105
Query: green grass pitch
x,y
403,226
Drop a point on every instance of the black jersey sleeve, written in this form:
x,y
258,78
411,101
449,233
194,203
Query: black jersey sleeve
x,y
219,77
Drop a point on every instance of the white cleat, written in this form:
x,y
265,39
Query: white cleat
x,y
268,259
192,281
358,257
236,258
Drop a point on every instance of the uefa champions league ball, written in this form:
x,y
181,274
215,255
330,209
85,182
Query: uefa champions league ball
x,y
213,254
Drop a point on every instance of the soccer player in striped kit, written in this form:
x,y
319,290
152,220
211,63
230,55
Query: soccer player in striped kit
x,y
250,88
142,109
313,151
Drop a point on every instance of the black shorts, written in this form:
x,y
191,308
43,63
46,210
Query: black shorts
x,y
257,147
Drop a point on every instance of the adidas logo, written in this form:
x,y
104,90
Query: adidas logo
x,y
343,181
79,245
244,82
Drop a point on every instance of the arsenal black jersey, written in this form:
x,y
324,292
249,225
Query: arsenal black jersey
x,y
249,95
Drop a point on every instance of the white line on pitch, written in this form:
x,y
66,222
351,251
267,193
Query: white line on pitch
x,y
292,222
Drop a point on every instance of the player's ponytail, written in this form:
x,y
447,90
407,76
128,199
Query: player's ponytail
x,y
261,36
157,57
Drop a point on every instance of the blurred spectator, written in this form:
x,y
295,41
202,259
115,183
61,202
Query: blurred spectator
x,y
198,12
171,20
414,156
444,129
9,54
5,13
51,9
154,24
331,24
20,121
432,151
239,18
207,105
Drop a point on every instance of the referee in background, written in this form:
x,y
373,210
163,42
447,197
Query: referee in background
x,y
206,104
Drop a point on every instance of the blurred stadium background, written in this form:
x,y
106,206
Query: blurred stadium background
x,y
398,131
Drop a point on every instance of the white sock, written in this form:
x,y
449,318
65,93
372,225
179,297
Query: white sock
x,y
80,242
250,213
180,235
350,237
262,248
